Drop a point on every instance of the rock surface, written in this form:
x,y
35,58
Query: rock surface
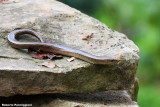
x,y
102,99
21,74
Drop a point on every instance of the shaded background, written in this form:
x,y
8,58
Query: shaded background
x,y
140,21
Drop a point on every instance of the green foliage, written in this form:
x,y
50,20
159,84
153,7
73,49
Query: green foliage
x,y
140,21
149,96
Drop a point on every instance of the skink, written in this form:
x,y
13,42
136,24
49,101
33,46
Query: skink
x,y
55,48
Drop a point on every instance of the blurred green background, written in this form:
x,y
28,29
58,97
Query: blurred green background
x,y
140,21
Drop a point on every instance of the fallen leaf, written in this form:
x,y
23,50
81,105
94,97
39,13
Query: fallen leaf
x,y
48,64
54,56
38,54
71,59
88,37
85,38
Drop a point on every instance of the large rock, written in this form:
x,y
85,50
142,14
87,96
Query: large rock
x,y
21,74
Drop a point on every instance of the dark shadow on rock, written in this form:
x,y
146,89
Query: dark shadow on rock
x,y
107,97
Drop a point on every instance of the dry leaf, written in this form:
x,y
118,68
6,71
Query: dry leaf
x,y
71,59
49,64
85,38
38,54
54,56
88,37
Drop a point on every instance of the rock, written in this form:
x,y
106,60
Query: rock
x,y
101,99
134,91
21,74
